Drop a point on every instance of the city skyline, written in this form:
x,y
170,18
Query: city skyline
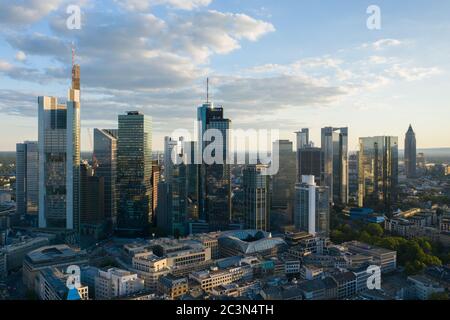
x,y
363,74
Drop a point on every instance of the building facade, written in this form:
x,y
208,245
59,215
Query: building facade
x,y
134,159
410,153
378,172
256,198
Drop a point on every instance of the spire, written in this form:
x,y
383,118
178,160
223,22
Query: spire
x,y
75,70
207,90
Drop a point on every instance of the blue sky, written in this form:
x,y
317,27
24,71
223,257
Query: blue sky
x,y
273,64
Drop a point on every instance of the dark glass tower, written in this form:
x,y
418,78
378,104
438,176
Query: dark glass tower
x,y
410,153
134,159
214,179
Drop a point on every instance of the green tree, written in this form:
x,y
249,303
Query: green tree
x,y
438,296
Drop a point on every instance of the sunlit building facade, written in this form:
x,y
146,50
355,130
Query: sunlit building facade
x,y
378,172
256,198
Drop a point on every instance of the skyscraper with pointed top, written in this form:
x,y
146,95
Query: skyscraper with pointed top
x,y
214,179
59,159
410,153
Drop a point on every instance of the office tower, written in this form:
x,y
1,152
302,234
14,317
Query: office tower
x,y
353,175
283,182
59,160
256,198
169,145
410,153
214,179
335,159
134,174
27,178
192,181
156,177
309,162
312,210
93,223
378,172
302,138
105,162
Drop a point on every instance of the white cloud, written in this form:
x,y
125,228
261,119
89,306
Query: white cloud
x,y
383,44
26,11
21,56
140,5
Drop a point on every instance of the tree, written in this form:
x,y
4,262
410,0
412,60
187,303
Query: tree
x,y
374,229
438,296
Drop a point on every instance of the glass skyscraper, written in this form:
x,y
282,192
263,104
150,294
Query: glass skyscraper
x,y
378,172
105,163
335,163
410,153
59,159
134,174
215,179
27,178
256,198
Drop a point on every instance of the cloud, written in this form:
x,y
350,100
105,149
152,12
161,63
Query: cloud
x,y
21,56
413,73
139,5
24,12
383,44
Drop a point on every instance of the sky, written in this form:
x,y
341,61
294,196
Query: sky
x,y
280,65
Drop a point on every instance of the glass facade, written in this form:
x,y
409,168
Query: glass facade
x,y
105,160
59,162
214,179
335,163
378,172
256,198
27,178
134,159
410,153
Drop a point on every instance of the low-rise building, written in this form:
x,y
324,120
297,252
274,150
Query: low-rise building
x,y
116,283
386,259
60,256
346,284
209,279
53,286
424,286
173,287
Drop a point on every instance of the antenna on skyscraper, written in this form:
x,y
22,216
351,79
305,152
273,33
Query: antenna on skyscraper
x,y
73,54
207,90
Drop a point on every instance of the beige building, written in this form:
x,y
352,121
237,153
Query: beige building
x,y
116,283
210,279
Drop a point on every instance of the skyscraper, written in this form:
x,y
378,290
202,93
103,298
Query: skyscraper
x,y
309,162
378,172
215,178
93,222
27,178
59,159
105,161
283,182
312,209
156,177
335,159
134,174
303,138
410,153
256,198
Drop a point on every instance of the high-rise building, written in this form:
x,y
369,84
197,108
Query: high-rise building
x,y
283,182
335,163
27,178
256,198
59,159
134,174
378,172
169,145
192,180
309,162
215,178
410,153
156,177
93,223
105,162
353,175
312,209
303,138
